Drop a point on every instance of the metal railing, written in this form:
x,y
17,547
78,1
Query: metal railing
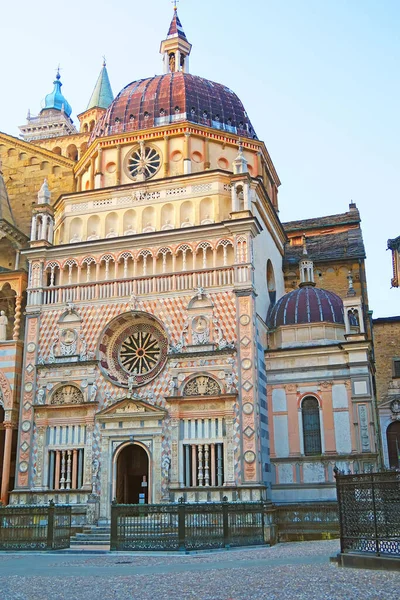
x,y
313,520
185,526
35,527
369,513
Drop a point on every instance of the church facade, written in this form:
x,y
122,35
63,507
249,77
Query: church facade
x,y
166,348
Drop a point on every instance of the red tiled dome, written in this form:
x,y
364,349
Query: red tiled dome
x,y
173,98
307,305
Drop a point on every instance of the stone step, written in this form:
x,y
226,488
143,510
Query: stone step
x,y
91,536
90,530
74,543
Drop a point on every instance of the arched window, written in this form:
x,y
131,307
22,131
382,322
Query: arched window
x,y
311,426
393,442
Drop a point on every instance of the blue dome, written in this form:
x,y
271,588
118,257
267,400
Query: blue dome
x,y
56,100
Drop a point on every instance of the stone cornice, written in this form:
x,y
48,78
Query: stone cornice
x,y
35,149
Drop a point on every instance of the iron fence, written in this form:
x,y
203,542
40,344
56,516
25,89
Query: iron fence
x,y
312,520
369,512
35,527
185,526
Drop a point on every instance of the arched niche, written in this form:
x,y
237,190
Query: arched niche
x,y
206,211
187,214
112,228
129,222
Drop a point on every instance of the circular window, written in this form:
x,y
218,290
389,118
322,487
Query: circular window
x,y
140,352
133,349
145,161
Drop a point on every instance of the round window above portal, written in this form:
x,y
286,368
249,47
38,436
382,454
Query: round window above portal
x,y
133,349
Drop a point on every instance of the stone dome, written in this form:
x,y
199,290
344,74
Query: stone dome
x,y
173,98
307,305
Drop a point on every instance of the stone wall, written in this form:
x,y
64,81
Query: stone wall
x,y
25,166
387,347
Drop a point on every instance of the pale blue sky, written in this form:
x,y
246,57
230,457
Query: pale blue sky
x,y
319,80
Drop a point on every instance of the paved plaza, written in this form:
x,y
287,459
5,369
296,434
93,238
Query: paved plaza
x,y
287,571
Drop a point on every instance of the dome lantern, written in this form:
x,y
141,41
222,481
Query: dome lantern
x,y
306,267
176,49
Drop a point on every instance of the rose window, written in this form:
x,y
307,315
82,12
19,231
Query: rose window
x,y
144,161
139,353
133,349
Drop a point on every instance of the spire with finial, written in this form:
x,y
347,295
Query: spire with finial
x,y
102,95
306,267
55,100
175,48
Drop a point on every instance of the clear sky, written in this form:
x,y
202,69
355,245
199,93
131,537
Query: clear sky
x,y
319,80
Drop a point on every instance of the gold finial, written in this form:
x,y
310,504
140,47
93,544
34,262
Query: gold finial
x,y
175,3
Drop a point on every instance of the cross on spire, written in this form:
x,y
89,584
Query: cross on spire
x,y
175,3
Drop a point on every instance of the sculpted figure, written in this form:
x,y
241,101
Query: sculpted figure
x,y
3,326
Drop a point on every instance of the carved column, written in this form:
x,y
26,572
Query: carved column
x,y
38,483
174,451
229,453
5,476
87,472
17,318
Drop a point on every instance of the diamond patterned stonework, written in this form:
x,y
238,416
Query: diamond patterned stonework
x,y
245,341
247,386
248,432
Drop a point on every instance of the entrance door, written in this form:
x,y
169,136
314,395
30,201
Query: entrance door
x,y
132,475
393,442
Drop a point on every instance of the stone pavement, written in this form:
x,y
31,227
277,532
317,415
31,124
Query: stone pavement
x,y
298,571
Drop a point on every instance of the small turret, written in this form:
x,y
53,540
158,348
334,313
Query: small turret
x,y
101,98
42,227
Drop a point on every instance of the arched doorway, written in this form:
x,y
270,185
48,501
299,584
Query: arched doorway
x,y
132,475
393,442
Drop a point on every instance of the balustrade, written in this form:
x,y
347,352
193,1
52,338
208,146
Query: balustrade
x,y
152,284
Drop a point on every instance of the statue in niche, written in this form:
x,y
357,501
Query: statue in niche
x,y
95,474
41,396
93,393
93,236
129,231
165,467
172,63
149,227
3,326
75,239
83,353
111,234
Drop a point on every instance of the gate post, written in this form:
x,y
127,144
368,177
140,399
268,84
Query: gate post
x,y
375,515
114,526
181,524
225,521
50,525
